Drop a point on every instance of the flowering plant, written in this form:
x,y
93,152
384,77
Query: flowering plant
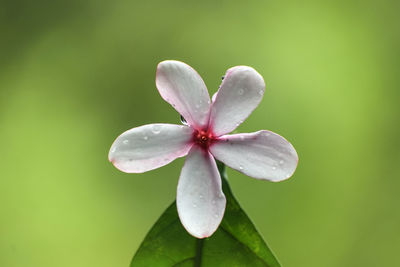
x,y
262,155
200,199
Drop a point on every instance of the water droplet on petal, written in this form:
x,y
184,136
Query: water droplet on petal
x,y
281,162
241,137
241,91
113,150
261,92
240,167
273,168
200,196
125,142
184,122
156,129
194,206
216,215
145,138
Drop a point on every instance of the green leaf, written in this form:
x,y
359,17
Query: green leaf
x,y
235,243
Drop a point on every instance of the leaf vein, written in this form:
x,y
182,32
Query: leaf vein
x,y
245,246
182,261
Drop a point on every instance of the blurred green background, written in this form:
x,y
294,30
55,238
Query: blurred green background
x,y
75,74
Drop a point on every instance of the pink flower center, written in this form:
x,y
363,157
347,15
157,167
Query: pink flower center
x,y
203,138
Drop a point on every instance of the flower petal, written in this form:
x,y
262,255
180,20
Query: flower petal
x,y
150,146
200,200
182,87
241,91
262,155
214,96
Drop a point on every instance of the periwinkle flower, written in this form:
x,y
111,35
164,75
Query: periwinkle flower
x,y
261,155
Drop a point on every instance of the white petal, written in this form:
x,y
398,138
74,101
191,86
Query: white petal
x,y
200,200
150,146
214,96
182,87
241,91
262,155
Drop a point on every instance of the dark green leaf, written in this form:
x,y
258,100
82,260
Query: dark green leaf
x,y
235,243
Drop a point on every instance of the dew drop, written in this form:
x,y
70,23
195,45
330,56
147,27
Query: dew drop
x,y
113,150
281,162
184,122
194,206
241,137
273,168
240,167
125,142
241,91
200,196
261,92
156,129
145,138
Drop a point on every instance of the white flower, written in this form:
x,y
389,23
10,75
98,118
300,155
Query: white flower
x,y
262,155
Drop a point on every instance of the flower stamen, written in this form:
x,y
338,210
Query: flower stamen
x,y
203,138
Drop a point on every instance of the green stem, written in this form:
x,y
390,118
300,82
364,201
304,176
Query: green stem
x,y
199,252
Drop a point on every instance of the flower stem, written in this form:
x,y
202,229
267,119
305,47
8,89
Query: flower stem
x,y
199,252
